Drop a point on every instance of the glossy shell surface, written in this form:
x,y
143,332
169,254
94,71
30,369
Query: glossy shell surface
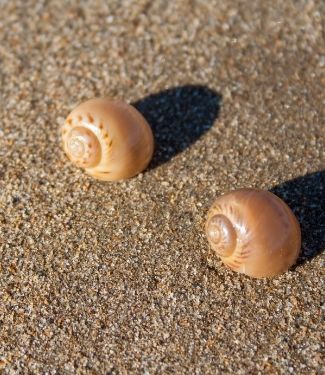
x,y
109,139
254,232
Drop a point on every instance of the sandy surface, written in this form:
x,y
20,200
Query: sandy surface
x,y
103,278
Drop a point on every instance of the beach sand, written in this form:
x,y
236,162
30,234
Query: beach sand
x,y
117,278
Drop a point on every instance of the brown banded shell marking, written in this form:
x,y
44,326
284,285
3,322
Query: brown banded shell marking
x,y
254,232
110,139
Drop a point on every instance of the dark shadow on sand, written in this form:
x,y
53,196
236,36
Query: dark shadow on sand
x,y
178,117
306,197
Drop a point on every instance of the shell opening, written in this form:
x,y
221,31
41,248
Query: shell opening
x,y
221,235
83,147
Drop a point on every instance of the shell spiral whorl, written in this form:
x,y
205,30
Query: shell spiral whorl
x,y
110,139
222,234
83,147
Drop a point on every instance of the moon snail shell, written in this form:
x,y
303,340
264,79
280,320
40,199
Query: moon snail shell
x,y
109,139
254,232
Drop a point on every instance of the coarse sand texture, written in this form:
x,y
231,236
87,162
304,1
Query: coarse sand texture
x,y
115,278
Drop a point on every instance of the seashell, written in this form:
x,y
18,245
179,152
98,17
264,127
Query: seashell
x,y
109,139
254,232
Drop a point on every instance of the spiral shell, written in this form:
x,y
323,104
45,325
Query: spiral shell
x,y
110,139
254,232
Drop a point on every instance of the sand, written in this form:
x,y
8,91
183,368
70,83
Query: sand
x,y
116,278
